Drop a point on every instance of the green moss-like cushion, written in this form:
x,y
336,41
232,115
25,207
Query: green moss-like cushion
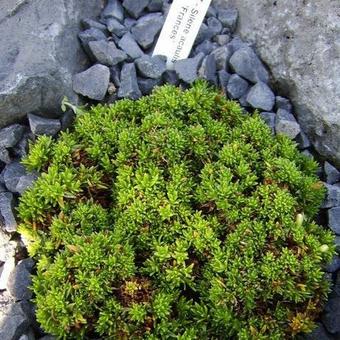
x,y
176,216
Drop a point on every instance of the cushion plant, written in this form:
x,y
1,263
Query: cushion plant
x,y
177,216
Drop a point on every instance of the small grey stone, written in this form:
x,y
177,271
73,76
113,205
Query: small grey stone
x,y
222,39
91,34
307,153
43,126
222,55
20,280
286,124
303,141
205,47
128,44
247,64
10,135
337,246
166,8
237,43
93,82
129,22
332,197
170,77
67,120
207,70
135,8
115,75
228,18
237,87
223,79
211,12
28,336
6,270
5,156
331,315
15,322
261,97
16,178
106,53
21,148
128,83
155,6
115,27
334,266
205,33
187,69
283,103
332,174
90,23
113,9
48,337
146,29
151,67
334,219
6,211
215,25
318,333
147,85
269,118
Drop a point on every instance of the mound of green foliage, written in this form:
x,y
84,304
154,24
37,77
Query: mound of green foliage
x,y
176,216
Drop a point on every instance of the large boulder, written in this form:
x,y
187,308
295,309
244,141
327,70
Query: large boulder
x,y
300,43
39,54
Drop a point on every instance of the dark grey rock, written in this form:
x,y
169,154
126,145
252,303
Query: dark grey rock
x,y
286,124
222,55
40,51
135,8
128,83
337,248
205,47
237,43
147,28
334,219
307,153
113,9
215,25
29,335
318,333
91,34
246,64
44,126
303,141
115,75
155,6
10,135
269,118
151,67
261,97
115,27
93,82
6,211
211,12
129,22
283,103
128,44
334,266
14,322
106,53
331,316
147,85
170,77
332,174
67,120
5,156
21,148
223,79
332,197
48,337
20,280
205,33
207,70
222,39
228,18
90,23
187,69
17,180
237,87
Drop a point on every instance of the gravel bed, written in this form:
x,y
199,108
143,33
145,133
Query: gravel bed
x,y
120,45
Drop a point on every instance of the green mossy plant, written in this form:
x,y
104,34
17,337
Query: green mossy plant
x,y
176,216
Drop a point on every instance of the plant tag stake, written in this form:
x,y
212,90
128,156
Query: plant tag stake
x,y
180,29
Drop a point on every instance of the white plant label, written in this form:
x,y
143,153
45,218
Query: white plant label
x,y
180,29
